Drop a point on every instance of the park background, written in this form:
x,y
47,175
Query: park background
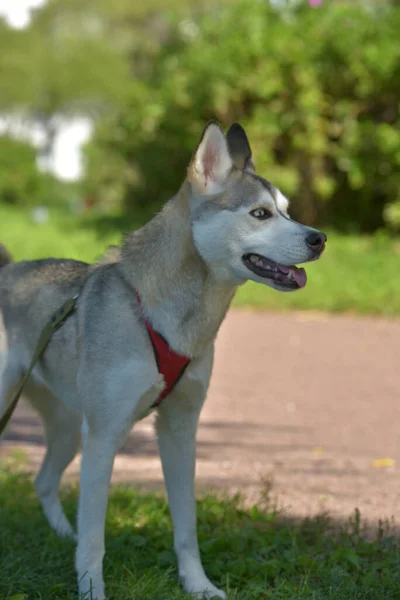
x,y
316,88
300,429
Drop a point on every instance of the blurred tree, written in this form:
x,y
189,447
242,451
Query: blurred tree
x,y
21,183
77,57
317,90
17,80
60,66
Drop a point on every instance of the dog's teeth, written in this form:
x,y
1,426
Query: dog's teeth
x,y
289,275
261,262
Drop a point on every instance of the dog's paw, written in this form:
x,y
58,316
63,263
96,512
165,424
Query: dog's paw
x,y
65,530
204,590
209,594
214,592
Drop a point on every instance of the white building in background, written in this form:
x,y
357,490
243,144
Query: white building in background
x,y
17,12
66,158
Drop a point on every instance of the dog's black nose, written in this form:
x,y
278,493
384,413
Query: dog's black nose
x,y
316,240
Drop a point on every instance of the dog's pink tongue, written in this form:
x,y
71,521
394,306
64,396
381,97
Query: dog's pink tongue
x,y
299,275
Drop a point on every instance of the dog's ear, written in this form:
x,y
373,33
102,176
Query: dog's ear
x,y
239,148
211,164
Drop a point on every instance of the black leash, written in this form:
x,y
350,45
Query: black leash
x,y
51,327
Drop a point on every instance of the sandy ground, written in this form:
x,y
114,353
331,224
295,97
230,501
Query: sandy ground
x,y
300,404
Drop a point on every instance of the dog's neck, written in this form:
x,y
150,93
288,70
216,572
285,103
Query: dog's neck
x,y
180,297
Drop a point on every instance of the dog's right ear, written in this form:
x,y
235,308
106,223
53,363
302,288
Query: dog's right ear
x,y
208,172
239,148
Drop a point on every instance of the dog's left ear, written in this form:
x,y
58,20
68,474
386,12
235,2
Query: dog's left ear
x,y
239,148
208,172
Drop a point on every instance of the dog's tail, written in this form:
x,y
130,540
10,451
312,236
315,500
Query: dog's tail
x,y
5,256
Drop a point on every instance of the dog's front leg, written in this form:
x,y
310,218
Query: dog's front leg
x,y
176,428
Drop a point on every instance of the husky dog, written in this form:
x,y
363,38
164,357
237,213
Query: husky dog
x,y
99,374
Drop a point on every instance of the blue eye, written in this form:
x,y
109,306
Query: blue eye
x,y
261,214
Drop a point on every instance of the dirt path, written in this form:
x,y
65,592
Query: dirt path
x,y
303,402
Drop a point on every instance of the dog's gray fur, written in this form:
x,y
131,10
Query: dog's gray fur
x,y
99,375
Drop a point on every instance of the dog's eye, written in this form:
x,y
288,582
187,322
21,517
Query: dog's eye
x,y
261,213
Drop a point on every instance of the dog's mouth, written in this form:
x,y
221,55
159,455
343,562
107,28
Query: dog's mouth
x,y
290,277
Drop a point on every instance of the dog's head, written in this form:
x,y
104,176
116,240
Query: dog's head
x,y
240,223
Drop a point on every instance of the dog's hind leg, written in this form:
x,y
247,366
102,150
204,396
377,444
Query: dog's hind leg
x,y
62,430
104,430
97,462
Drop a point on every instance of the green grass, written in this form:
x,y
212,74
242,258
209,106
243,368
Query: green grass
x,y
64,235
356,274
254,554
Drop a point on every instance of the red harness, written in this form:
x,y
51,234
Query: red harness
x,y
170,364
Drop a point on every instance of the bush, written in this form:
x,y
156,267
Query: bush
x,y
20,180
317,90
21,183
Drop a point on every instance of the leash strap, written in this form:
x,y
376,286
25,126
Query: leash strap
x,y
51,327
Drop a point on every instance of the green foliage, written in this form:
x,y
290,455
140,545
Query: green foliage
x,y
21,183
254,554
64,235
317,90
61,63
17,79
76,56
